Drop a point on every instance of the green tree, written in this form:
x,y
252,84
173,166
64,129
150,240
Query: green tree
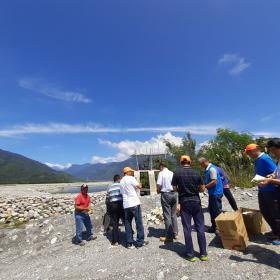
x,y
227,150
188,147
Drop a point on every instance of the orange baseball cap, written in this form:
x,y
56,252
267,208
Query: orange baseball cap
x,y
127,169
185,158
251,147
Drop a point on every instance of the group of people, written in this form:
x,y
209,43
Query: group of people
x,y
180,196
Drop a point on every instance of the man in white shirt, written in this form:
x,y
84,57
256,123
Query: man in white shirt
x,y
132,209
168,203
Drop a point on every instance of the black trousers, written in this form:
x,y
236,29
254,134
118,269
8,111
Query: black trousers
x,y
116,212
215,208
230,198
269,206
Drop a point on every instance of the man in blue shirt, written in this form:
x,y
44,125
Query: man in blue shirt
x,y
214,185
264,166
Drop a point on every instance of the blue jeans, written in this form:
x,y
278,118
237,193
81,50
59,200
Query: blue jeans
x,y
215,208
192,209
136,213
81,219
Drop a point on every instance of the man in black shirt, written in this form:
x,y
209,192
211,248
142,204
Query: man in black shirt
x,y
189,184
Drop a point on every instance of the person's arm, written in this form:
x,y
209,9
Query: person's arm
x,y
271,176
174,182
213,176
201,188
270,181
200,183
159,182
79,208
136,184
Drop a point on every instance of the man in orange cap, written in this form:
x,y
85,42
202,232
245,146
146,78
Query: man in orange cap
x,y
189,183
264,166
132,209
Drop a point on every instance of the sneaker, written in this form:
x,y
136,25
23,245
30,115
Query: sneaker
x,y
115,244
191,259
142,245
212,230
92,238
276,242
204,258
82,243
166,239
130,246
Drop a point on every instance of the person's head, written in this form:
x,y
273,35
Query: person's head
x,y
204,162
185,160
162,166
84,189
117,178
253,150
128,171
274,146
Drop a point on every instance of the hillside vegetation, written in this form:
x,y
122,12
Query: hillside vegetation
x,y
17,169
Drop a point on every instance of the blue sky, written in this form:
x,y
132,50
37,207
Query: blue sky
x,y
84,81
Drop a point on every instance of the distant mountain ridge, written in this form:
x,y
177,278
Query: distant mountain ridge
x,y
17,169
105,171
99,171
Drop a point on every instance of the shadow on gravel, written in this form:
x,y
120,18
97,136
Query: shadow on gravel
x,y
155,232
121,235
262,256
216,242
176,247
259,239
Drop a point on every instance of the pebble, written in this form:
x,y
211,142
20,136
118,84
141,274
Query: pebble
x,y
26,209
160,275
53,241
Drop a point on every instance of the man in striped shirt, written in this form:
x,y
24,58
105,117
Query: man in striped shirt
x,y
115,207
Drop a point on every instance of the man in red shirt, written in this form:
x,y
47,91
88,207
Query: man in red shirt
x,y
82,207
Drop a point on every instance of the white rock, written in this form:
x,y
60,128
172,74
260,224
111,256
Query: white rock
x,y
160,275
53,241
14,238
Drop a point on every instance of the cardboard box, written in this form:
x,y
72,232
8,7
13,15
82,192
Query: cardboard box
x,y
254,221
233,231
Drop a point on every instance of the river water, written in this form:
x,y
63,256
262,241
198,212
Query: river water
x,y
94,189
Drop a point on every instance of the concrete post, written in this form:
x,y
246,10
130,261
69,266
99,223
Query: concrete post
x,y
152,182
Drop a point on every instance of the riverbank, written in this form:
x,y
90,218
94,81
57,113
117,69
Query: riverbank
x,y
20,204
42,249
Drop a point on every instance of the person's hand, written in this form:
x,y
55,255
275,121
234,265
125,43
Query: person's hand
x,y
178,208
265,182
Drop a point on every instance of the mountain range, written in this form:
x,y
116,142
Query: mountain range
x,y
17,169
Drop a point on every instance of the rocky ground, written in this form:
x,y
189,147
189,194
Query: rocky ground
x,y
42,248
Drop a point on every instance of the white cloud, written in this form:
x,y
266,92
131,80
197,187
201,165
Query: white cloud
x,y
63,128
267,134
266,118
235,62
53,91
126,148
57,166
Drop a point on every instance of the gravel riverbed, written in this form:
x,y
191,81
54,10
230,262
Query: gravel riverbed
x,y
42,248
